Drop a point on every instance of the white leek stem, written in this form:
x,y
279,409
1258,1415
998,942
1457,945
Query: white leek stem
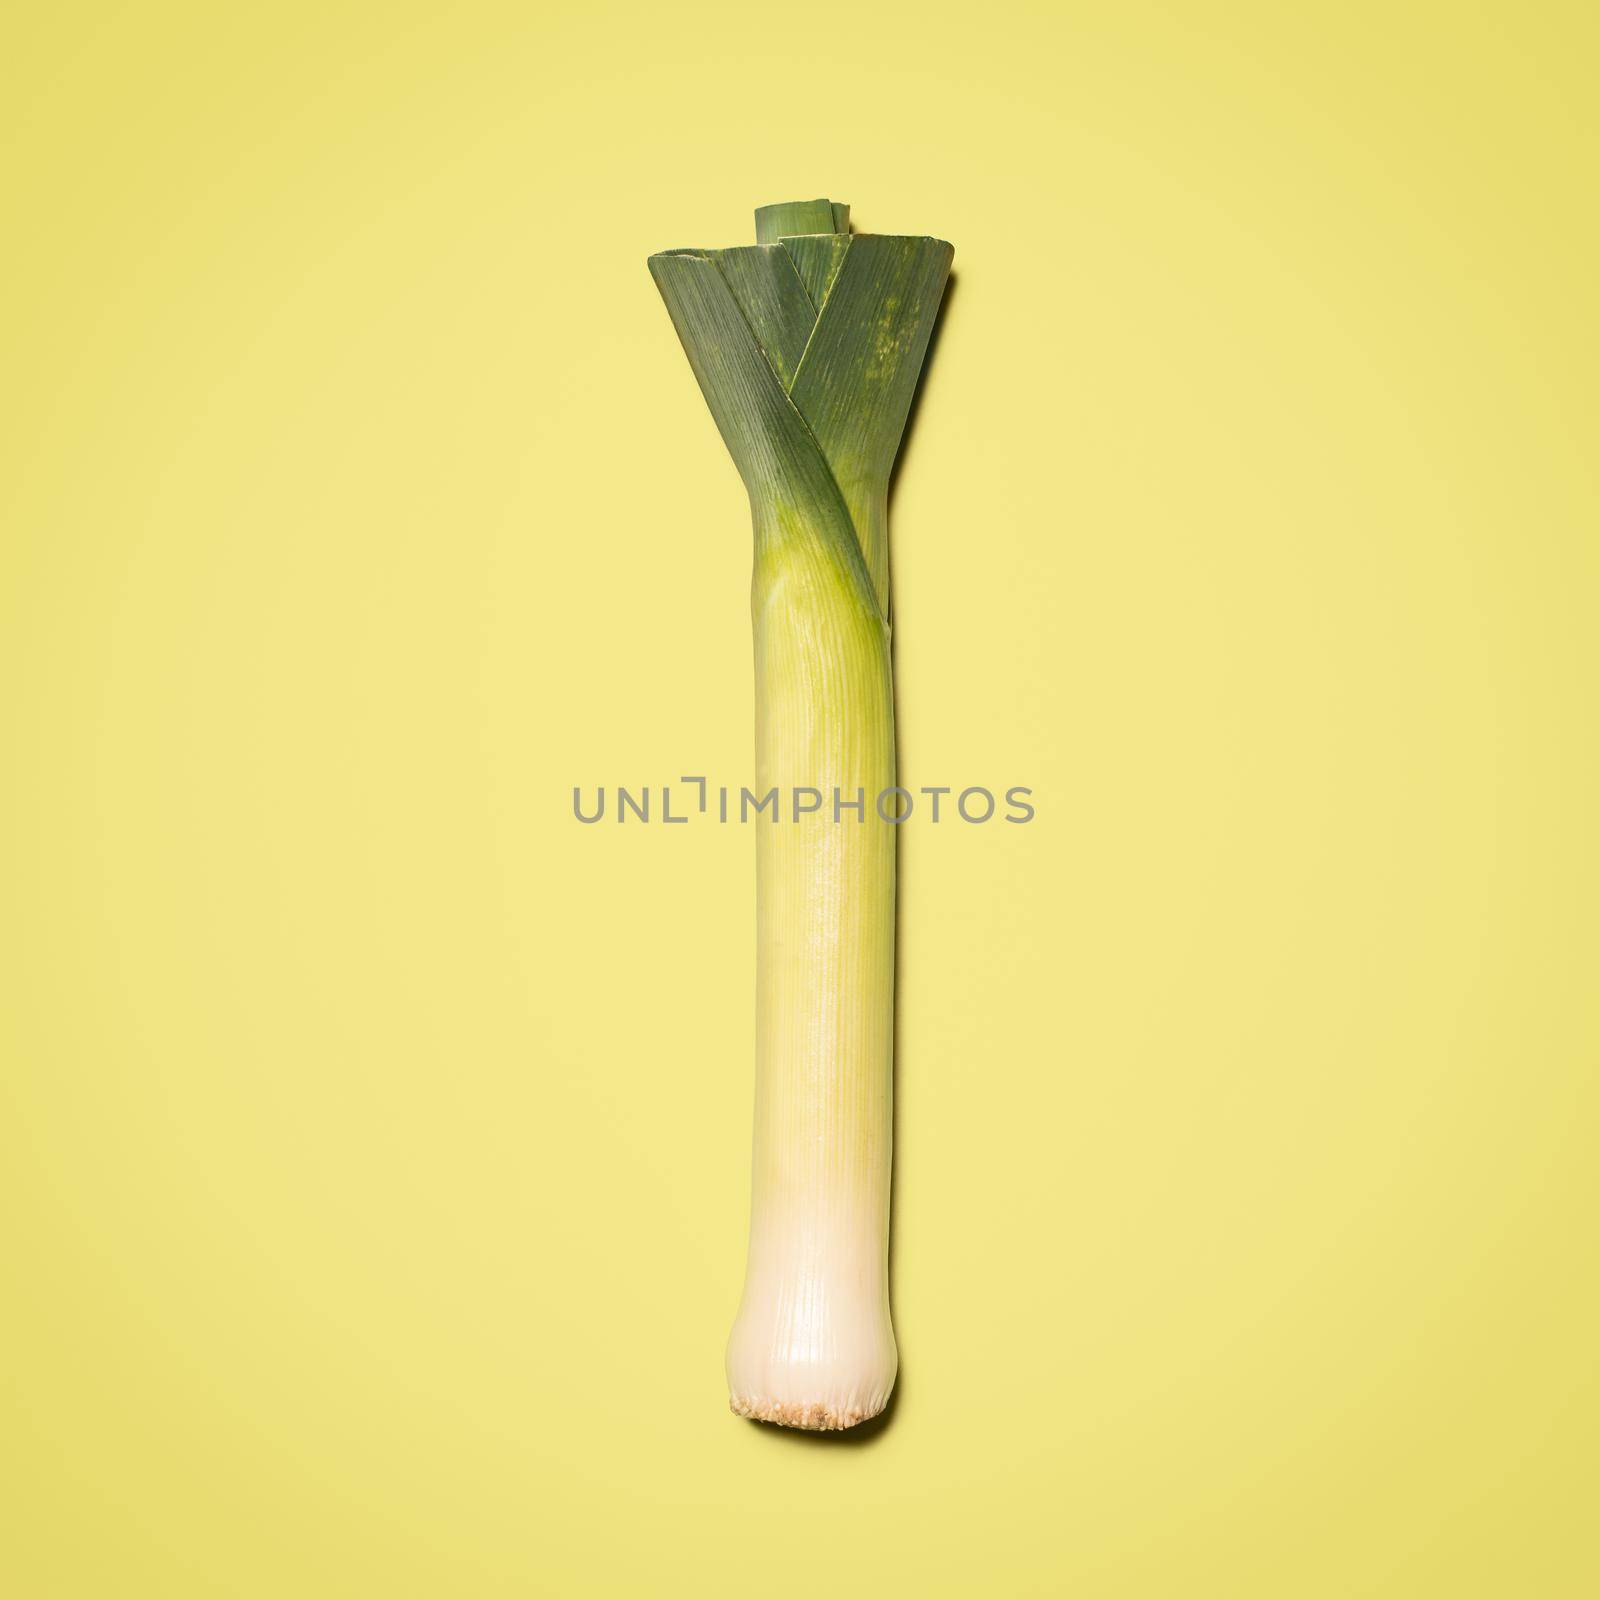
x,y
813,1346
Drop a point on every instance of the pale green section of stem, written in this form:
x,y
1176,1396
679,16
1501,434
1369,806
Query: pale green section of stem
x,y
790,218
814,1323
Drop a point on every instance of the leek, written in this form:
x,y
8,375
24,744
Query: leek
x,y
807,346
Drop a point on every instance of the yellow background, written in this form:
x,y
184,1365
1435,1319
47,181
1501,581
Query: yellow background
x,y
375,1140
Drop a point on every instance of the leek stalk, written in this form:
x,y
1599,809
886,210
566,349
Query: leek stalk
x,y
807,346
